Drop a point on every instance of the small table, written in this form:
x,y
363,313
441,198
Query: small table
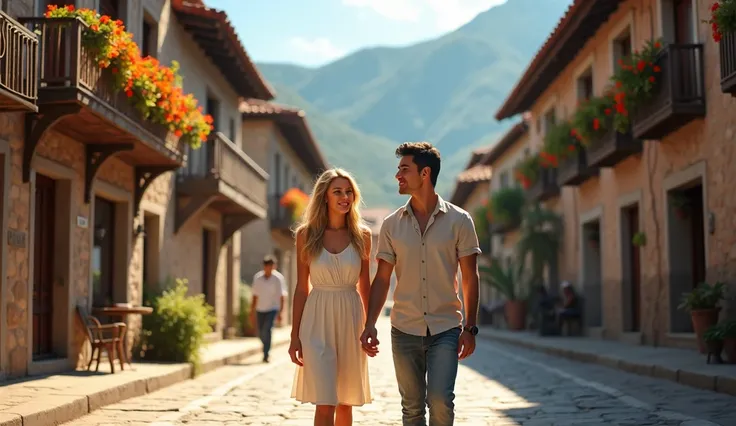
x,y
123,312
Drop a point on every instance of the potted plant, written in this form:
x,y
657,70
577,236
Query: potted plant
x,y
702,303
593,119
680,204
527,171
722,18
729,340
510,283
639,239
507,205
714,344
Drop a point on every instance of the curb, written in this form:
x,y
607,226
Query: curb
x,y
720,384
65,408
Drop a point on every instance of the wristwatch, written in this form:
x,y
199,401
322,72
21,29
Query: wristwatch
x,y
472,329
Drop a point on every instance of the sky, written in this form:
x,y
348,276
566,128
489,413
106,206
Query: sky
x,y
315,32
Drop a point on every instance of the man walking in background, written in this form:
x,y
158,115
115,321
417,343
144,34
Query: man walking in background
x,y
269,294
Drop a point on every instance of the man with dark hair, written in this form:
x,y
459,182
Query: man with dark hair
x,y
269,294
425,241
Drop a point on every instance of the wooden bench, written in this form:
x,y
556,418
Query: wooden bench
x,y
108,337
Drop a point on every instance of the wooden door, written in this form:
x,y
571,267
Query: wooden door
x,y
635,278
697,222
110,8
43,266
103,253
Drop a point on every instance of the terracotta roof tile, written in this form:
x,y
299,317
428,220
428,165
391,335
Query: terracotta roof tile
x,y
293,125
227,52
478,173
578,24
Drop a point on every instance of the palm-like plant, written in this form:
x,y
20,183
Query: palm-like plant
x,y
541,233
510,281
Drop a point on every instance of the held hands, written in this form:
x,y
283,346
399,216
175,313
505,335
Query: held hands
x,y
465,345
369,340
295,351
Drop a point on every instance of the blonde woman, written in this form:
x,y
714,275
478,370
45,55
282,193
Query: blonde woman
x,y
333,248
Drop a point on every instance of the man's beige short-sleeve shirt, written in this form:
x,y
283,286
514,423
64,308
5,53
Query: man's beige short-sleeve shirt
x,y
426,294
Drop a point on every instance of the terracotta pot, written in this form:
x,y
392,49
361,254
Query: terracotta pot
x,y
515,311
729,347
703,319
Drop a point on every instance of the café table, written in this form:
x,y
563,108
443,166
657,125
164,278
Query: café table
x,y
122,310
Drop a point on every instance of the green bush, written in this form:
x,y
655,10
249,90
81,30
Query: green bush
x,y
507,206
175,330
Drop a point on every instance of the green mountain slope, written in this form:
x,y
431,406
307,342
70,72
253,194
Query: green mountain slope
x,y
369,158
444,90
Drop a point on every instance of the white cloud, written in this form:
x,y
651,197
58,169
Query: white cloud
x,y
446,15
316,50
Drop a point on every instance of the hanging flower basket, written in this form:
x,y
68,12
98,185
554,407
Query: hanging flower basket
x,y
722,19
527,171
154,90
296,201
635,82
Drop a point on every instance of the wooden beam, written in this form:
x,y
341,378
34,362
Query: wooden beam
x,y
195,204
96,154
231,223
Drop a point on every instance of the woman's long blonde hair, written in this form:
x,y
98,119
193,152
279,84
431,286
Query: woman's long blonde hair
x,y
314,220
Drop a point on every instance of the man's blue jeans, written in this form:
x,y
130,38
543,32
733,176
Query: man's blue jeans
x,y
265,324
426,368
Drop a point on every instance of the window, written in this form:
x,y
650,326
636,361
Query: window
x,y
621,48
213,108
149,44
550,118
504,179
585,85
110,8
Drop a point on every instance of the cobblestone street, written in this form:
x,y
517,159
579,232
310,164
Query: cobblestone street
x,y
499,385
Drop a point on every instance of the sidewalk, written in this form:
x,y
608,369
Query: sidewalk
x,y
686,367
52,400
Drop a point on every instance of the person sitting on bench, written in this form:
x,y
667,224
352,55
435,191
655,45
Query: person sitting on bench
x,y
570,305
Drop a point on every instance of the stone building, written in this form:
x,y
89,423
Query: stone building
x,y
101,205
280,141
679,152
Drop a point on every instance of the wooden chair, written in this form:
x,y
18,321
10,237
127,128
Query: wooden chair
x,y
108,337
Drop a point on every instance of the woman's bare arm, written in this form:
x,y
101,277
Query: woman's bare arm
x,y
302,285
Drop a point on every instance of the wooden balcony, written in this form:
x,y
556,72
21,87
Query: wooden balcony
x,y
18,66
545,187
612,148
78,99
727,51
574,170
221,177
680,96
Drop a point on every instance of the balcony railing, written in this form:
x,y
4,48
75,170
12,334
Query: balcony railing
x,y
70,74
219,160
727,50
574,170
220,176
280,217
612,148
679,98
545,187
18,66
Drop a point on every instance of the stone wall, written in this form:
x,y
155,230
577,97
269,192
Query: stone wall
x,y
705,144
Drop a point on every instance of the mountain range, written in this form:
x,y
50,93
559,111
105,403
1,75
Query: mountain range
x,y
445,91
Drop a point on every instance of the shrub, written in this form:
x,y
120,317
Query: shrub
x,y
175,330
507,205
246,297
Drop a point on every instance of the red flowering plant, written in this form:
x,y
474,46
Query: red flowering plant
x,y
722,18
153,89
635,82
527,171
295,200
593,119
558,145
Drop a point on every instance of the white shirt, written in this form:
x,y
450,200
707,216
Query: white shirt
x,y
269,291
